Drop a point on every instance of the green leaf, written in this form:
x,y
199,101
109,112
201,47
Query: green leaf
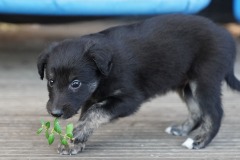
x,y
70,135
55,121
64,141
47,125
47,134
51,139
69,129
57,126
42,122
39,130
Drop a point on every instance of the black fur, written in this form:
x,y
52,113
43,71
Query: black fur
x,y
133,63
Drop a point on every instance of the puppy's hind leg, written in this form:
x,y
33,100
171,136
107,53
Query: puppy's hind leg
x,y
195,114
208,97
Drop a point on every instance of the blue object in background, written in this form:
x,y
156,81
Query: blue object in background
x,y
236,7
101,7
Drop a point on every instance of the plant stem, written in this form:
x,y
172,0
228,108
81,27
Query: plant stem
x,y
53,131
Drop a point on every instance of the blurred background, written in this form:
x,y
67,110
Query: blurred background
x,y
28,26
47,20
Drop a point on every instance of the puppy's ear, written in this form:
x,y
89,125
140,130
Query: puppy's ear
x,y
103,60
41,63
43,58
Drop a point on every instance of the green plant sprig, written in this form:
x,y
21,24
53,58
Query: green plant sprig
x,y
50,136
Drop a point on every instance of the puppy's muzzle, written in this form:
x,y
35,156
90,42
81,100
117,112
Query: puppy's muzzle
x,y
56,113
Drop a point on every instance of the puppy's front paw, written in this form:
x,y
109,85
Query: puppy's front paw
x,y
80,137
71,148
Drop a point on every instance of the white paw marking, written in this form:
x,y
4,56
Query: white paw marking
x,y
188,143
176,133
64,152
168,130
74,152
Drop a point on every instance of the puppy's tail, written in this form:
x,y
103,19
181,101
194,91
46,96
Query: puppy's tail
x,y
232,81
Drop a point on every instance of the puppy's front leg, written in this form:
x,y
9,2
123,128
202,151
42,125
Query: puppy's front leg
x,y
96,115
92,119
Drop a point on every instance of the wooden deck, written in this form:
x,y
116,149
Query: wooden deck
x,y
141,136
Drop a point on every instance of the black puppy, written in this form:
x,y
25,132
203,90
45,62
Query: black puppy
x,y
111,73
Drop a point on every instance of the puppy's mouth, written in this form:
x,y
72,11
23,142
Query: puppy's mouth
x,y
65,112
68,112
67,116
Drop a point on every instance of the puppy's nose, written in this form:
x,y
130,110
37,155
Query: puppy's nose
x,y
56,113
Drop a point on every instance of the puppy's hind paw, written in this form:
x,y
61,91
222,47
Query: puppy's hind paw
x,y
188,143
168,130
196,143
176,131
70,149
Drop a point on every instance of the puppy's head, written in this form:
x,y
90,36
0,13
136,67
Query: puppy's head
x,y
73,71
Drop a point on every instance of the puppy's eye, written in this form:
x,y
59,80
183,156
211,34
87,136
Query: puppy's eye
x,y
75,84
50,82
